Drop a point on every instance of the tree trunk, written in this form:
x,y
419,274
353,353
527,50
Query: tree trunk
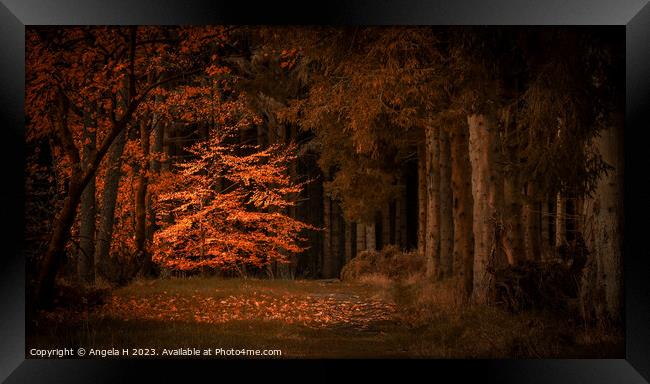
x,y
261,135
141,205
109,199
422,199
336,247
385,225
545,230
446,207
560,220
432,248
87,210
371,237
315,214
461,176
361,237
55,253
392,222
397,229
167,146
604,234
326,266
293,210
498,208
514,231
481,140
400,218
533,224
349,244
156,150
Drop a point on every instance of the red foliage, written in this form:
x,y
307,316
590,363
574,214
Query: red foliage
x,y
110,80
228,208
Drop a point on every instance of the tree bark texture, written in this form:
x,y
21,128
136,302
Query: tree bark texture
x,y
461,176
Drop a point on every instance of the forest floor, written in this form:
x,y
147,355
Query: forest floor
x,y
314,319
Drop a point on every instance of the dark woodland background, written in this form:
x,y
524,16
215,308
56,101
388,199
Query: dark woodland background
x,y
457,166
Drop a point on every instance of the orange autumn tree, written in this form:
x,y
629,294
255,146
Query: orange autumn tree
x,y
85,88
228,208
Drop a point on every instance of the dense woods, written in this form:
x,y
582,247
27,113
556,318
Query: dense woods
x,y
492,154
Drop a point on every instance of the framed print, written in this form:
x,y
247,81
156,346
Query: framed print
x,y
226,187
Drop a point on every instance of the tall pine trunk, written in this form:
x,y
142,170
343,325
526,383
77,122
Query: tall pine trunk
x,y
604,235
349,240
432,239
385,225
446,207
361,237
481,132
545,232
532,209
513,237
422,199
397,235
400,218
560,219
326,265
371,237
293,210
336,245
461,174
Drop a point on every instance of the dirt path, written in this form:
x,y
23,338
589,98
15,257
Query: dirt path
x,y
310,307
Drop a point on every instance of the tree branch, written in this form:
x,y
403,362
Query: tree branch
x,y
132,78
64,134
167,80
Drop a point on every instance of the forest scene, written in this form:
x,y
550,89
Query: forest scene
x,y
326,192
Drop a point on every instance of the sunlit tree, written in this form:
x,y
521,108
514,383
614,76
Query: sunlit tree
x,y
227,208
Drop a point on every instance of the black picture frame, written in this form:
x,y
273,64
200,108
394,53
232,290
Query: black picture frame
x,y
632,15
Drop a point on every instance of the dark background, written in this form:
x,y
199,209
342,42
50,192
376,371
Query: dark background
x,y
14,14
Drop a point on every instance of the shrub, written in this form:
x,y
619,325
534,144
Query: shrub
x,y
390,262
